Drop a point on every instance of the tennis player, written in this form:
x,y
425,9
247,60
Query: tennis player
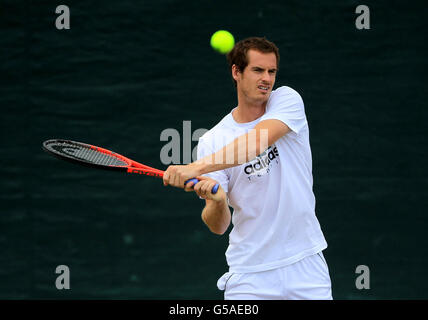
x,y
276,243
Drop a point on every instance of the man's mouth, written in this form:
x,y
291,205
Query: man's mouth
x,y
264,88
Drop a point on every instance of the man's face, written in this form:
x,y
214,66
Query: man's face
x,y
256,82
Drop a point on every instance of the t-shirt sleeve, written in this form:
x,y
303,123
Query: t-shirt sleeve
x,y
204,149
286,105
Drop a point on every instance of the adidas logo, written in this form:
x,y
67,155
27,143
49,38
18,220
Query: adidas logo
x,y
262,161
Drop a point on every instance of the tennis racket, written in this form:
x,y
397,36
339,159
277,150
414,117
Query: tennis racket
x,y
97,157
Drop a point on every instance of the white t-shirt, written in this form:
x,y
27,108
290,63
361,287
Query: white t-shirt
x,y
274,222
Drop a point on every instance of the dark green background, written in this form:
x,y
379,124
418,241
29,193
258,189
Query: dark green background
x,y
127,70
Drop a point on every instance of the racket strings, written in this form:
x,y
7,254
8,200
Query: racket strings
x,y
86,154
100,158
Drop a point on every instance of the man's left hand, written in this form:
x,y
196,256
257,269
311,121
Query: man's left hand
x,y
176,175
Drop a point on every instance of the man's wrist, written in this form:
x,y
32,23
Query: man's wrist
x,y
219,199
201,167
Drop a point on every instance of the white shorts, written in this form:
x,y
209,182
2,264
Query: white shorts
x,y
307,279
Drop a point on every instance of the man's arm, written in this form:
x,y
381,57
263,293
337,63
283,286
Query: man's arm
x,y
243,149
216,214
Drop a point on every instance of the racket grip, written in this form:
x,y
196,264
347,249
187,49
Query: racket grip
x,y
195,181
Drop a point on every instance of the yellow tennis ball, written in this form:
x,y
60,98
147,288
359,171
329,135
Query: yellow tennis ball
x,y
222,41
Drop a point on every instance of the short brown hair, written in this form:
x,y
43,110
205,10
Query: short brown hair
x,y
238,55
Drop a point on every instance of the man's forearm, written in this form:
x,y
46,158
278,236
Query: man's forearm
x,y
216,215
244,148
239,151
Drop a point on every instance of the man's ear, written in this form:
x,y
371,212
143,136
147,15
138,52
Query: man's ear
x,y
235,72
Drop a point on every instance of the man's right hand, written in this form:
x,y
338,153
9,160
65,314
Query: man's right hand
x,y
203,189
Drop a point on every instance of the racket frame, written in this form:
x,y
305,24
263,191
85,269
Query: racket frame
x,y
132,167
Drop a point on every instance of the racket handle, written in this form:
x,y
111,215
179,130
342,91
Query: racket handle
x,y
195,181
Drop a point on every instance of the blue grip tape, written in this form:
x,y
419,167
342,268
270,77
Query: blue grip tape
x,y
195,181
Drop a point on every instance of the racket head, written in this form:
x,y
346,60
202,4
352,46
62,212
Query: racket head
x,y
86,154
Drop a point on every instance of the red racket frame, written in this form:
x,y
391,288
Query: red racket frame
x,y
132,167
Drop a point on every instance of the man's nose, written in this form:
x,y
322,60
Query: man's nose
x,y
266,76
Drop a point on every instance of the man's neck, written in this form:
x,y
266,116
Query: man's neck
x,y
245,112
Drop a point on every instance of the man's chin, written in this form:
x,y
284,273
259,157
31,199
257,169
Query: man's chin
x,y
263,96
